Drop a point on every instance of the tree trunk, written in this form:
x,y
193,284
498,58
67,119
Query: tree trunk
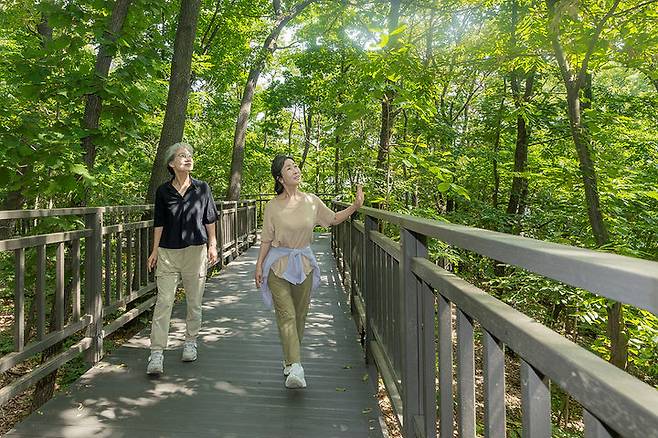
x,y
385,129
573,83
499,123
519,183
617,335
336,166
308,127
387,112
292,122
582,142
179,89
93,104
237,158
13,201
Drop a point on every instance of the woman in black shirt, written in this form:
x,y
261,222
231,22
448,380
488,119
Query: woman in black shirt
x,y
184,243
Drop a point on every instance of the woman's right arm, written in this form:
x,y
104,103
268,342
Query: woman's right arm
x,y
264,249
153,258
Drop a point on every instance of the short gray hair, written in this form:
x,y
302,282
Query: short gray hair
x,y
171,153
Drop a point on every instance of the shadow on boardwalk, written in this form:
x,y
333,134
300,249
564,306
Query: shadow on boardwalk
x,y
235,388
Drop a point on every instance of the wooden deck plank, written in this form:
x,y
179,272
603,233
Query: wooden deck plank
x,y
235,389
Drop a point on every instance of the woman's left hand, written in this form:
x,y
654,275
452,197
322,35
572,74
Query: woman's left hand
x,y
212,255
358,200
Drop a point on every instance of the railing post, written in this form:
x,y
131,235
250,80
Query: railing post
x,y
254,223
347,253
368,293
93,285
220,233
235,230
333,233
413,378
353,268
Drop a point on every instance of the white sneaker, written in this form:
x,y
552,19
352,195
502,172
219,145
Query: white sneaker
x,y
296,377
286,369
189,351
155,366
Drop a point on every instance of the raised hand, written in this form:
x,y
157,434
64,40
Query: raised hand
x,y
358,200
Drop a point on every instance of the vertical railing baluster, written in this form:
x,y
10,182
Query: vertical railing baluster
x,y
348,249
138,258
119,265
59,287
427,302
129,263
465,376
446,422
367,290
354,274
93,284
235,229
536,403
41,292
378,316
19,299
219,228
397,318
411,245
145,255
494,387
595,428
255,225
107,255
387,297
75,278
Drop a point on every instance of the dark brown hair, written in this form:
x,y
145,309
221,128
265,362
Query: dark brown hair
x,y
277,167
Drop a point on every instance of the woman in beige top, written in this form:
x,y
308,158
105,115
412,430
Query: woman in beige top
x,y
286,270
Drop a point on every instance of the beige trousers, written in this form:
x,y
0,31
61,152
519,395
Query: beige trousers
x,y
190,264
291,303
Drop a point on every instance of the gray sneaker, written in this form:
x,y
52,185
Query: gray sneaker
x,y
286,369
296,377
155,366
189,351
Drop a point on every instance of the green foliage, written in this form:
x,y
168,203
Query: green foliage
x,y
455,119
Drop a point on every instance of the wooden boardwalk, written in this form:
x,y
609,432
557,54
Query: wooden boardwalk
x,y
235,388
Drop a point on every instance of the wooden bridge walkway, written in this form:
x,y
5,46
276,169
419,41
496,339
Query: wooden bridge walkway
x,y
235,388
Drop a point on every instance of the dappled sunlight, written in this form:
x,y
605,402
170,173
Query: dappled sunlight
x,y
237,380
230,388
222,300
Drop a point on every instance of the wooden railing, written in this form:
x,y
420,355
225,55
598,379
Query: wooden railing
x,y
399,298
97,270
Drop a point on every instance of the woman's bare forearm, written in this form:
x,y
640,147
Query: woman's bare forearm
x,y
344,214
262,253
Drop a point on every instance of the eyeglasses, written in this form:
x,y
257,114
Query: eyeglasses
x,y
185,156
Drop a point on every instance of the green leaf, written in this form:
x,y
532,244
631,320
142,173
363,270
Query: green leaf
x,y
443,187
80,169
652,194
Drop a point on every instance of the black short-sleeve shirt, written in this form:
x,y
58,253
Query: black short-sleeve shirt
x,y
183,218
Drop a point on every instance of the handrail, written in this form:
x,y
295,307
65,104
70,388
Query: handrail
x,y
405,296
74,211
626,279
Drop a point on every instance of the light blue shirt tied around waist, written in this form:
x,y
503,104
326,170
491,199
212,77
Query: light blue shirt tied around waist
x,y
294,272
